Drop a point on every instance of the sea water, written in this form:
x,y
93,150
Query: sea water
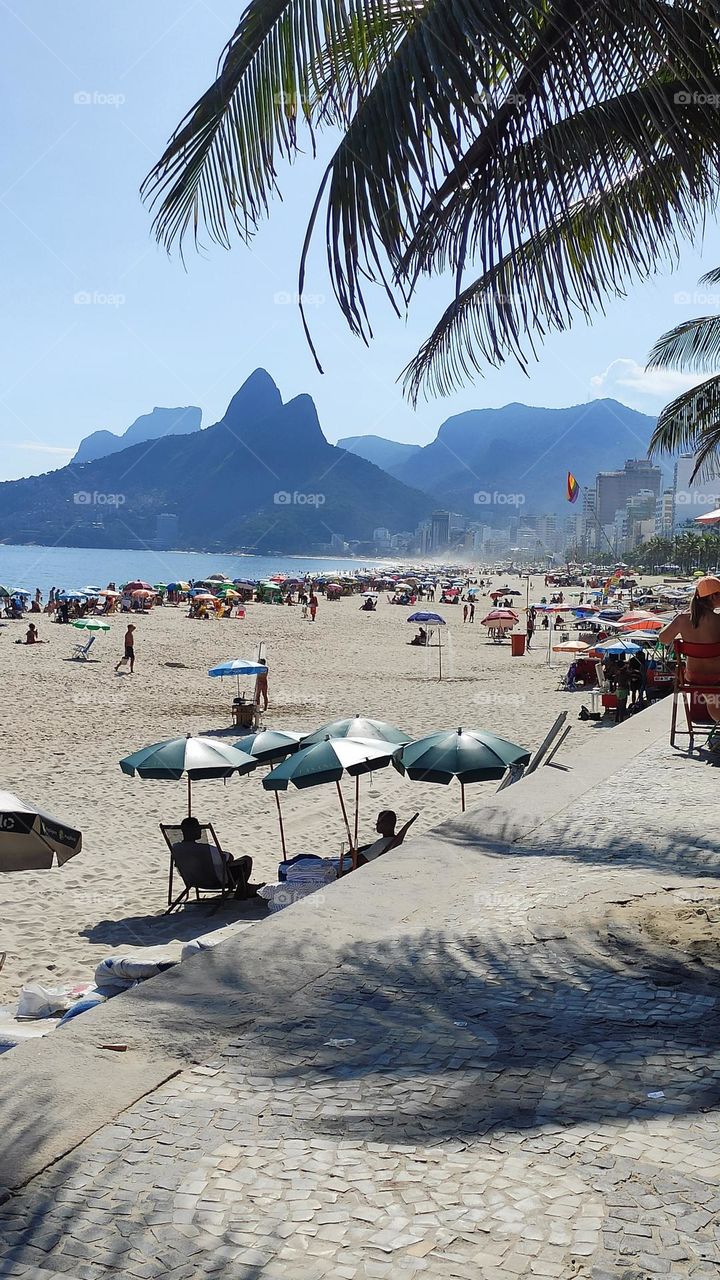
x,y
74,568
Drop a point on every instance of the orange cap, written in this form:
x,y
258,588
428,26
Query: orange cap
x,y
707,586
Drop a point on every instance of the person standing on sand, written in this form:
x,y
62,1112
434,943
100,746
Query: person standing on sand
x,y
261,688
472,611
465,613
313,606
530,629
129,655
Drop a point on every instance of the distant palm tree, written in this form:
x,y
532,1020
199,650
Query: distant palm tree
x,y
691,422
563,146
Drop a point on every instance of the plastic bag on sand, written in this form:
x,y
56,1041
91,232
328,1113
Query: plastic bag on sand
x,y
40,1001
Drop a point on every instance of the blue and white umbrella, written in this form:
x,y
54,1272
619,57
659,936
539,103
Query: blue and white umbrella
x,y
238,667
617,647
430,620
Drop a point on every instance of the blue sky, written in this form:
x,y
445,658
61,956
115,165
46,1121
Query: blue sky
x,y
98,324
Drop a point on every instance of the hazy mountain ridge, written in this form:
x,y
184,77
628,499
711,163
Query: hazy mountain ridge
x,y
264,477
387,454
148,427
525,451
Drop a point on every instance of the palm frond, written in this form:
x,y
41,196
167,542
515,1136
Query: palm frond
x,y
219,169
693,345
691,424
564,272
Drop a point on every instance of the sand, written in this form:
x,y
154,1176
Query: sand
x,y
66,726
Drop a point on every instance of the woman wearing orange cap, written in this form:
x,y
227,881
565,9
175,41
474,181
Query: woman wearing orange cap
x,y
700,625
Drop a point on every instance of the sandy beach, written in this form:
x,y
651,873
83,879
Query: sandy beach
x,y
68,724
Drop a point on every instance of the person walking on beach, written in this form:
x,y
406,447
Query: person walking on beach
x,y
313,606
465,613
129,655
472,611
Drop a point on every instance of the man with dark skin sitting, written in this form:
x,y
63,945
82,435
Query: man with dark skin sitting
x,y
389,838
237,870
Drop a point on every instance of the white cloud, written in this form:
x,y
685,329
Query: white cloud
x,y
33,446
632,383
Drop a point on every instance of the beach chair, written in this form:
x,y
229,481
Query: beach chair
x,y
196,869
694,698
81,651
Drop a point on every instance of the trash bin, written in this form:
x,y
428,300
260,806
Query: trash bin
x,y
517,642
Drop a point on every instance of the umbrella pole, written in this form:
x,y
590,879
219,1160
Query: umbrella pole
x,y
462,797
344,814
282,829
189,790
357,805
440,651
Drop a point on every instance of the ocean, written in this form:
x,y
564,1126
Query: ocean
x,y
75,567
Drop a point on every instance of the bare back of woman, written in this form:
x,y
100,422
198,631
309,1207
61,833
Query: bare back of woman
x,y
700,625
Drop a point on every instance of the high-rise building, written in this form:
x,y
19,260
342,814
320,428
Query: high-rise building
x,y
439,530
613,489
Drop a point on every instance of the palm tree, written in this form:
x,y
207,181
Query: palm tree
x,y
691,422
563,146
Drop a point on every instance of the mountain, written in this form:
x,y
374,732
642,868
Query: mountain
x,y
384,453
151,426
486,461
263,478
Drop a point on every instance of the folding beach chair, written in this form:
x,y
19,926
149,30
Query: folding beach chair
x,y
694,698
197,869
81,651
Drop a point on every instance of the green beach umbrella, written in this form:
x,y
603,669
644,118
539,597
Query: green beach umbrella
x,y
192,758
91,624
271,745
327,761
470,755
358,727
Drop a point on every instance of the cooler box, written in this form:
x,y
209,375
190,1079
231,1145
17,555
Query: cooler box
x,y
609,701
517,643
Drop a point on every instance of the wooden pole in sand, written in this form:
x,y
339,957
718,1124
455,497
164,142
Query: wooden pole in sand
x,y
280,820
344,814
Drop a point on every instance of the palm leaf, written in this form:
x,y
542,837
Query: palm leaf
x,y
449,111
693,345
565,271
691,424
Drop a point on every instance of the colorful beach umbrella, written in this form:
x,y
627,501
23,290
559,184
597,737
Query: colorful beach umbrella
x,y
91,624
470,755
238,667
191,758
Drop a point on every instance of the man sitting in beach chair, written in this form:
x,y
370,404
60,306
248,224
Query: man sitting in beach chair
x,y
203,865
389,838
81,651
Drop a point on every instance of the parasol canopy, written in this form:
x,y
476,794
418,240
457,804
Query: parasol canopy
x,y
358,727
30,838
192,758
470,755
